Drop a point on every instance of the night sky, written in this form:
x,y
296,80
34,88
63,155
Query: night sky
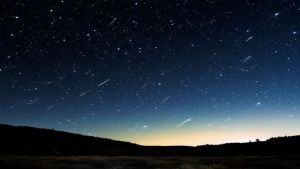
x,y
169,72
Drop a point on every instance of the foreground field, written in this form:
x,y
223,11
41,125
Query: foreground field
x,y
97,162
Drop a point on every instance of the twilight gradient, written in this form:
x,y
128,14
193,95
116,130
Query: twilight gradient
x,y
171,72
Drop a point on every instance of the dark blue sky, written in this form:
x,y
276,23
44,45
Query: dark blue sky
x,y
150,71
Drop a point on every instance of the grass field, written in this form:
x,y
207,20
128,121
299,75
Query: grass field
x,y
97,162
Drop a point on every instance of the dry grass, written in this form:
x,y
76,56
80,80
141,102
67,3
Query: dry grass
x,y
96,162
209,166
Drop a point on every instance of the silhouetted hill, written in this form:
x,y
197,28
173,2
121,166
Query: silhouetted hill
x,y
35,141
273,146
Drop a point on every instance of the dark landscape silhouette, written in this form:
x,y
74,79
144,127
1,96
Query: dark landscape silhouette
x,y
35,148
35,141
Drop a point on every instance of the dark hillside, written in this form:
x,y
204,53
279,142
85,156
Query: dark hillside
x,y
35,141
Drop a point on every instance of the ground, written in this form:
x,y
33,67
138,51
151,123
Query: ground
x,y
99,162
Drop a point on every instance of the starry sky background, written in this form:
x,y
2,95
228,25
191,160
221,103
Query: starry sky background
x,y
170,72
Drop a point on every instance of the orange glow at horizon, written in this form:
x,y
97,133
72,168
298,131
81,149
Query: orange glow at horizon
x,y
196,136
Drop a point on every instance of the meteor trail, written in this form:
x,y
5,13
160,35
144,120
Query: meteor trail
x,y
103,82
185,121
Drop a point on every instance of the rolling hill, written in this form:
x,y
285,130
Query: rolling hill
x,y
19,140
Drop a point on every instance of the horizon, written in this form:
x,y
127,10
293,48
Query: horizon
x,y
193,145
152,72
